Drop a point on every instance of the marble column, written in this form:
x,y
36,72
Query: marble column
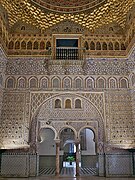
x,y
57,157
77,158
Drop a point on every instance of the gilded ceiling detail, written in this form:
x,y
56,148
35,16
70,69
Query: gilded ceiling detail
x,y
69,6
111,11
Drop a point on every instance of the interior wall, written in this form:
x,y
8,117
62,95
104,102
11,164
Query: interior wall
x,y
2,75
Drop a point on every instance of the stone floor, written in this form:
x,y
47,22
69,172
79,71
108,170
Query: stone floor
x,y
67,178
70,171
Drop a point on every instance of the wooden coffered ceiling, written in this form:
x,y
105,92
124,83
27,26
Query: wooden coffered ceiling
x,y
92,14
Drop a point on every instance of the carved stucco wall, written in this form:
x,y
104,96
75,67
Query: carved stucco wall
x,y
133,108
131,66
120,132
114,117
14,132
93,66
3,60
20,104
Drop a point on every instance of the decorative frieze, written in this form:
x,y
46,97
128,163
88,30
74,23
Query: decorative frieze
x,y
37,66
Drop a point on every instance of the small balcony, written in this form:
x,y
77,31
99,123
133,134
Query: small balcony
x,y
68,56
68,53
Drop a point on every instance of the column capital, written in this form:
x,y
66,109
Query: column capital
x,y
77,141
57,141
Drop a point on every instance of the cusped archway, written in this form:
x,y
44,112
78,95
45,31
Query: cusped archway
x,y
90,114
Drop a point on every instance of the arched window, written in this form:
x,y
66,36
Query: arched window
x,y
78,103
130,39
44,83
21,83
89,83
10,83
68,104
133,32
11,45
98,46
101,83
110,46
57,103
56,83
23,28
92,45
6,42
35,45
0,31
67,83
78,83
117,47
17,45
42,45
1,80
111,29
29,45
104,46
23,45
112,83
86,46
123,46
133,79
33,83
123,83
48,45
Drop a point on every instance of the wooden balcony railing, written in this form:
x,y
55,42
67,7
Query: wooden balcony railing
x,y
69,53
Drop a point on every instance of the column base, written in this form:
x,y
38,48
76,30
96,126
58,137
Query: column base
x,y
57,174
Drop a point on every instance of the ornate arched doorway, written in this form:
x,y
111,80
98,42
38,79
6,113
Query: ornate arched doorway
x,y
69,110
67,140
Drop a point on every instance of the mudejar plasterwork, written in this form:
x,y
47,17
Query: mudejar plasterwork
x,y
67,87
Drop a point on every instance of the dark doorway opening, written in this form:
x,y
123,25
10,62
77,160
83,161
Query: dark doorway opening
x,y
66,42
67,49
